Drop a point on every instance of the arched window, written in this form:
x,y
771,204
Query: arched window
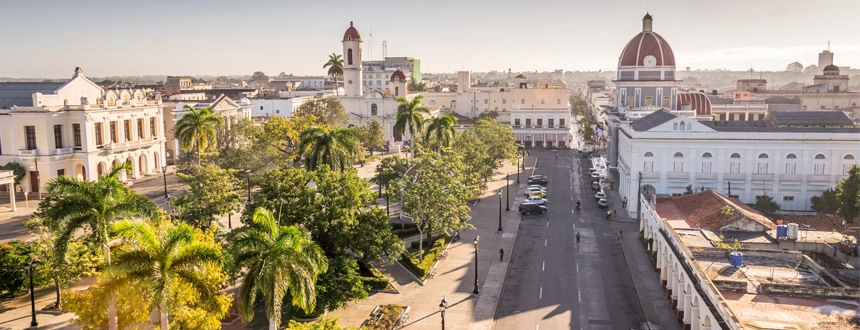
x,y
689,126
735,163
648,163
707,155
849,156
707,162
736,155
763,165
373,109
790,156
649,154
763,155
432,102
819,167
678,164
349,56
396,91
820,156
453,104
675,126
678,155
682,126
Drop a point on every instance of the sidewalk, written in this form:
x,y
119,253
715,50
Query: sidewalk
x,y
656,308
455,275
15,313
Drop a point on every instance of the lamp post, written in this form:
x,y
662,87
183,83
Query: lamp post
x,y
475,291
442,306
518,166
507,193
378,166
248,173
524,156
529,139
164,174
33,322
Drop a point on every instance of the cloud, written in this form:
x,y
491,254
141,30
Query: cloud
x,y
792,53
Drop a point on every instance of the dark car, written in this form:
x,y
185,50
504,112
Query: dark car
x,y
529,208
538,180
595,185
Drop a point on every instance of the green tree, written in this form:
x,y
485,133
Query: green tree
x,y
210,193
91,206
15,257
794,67
259,76
498,138
196,130
278,260
827,202
434,196
335,69
410,117
441,128
17,169
158,258
371,135
283,133
328,111
390,168
324,323
689,190
848,195
89,307
492,115
338,148
243,145
766,204
416,86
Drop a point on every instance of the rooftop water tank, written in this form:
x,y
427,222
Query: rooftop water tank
x,y
792,231
736,259
781,231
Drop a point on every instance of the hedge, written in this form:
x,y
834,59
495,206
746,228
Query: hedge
x,y
414,244
420,269
373,277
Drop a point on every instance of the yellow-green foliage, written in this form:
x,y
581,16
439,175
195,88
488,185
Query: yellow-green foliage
x,y
421,268
324,323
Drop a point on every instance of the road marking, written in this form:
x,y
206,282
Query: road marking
x,y
571,211
578,293
542,265
574,226
547,224
577,268
540,295
537,327
544,242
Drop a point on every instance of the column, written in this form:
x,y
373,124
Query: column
x,y
11,188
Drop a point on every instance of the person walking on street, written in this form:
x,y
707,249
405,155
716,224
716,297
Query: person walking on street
x,y
624,203
577,239
501,254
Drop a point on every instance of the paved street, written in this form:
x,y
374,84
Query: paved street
x,y
552,284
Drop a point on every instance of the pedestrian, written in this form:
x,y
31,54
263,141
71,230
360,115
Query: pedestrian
x,y
501,254
624,202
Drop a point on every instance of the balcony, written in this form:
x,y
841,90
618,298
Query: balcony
x,y
650,176
761,177
130,145
63,151
27,152
818,178
786,178
678,176
706,176
735,176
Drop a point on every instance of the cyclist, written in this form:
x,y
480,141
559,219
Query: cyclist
x,y
556,154
577,239
577,204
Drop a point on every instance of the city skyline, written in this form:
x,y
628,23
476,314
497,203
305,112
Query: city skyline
x,y
215,38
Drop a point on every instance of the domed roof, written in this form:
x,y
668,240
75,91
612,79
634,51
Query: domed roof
x,y
831,67
645,45
398,74
351,33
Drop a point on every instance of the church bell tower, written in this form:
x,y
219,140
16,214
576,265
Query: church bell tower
x,y
352,72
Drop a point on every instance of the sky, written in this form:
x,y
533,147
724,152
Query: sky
x,y
49,38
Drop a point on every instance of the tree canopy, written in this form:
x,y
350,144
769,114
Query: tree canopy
x,y
210,193
338,148
327,111
848,195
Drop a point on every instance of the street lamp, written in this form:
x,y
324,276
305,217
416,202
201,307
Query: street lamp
x,y
33,322
475,291
500,210
442,306
378,166
164,174
518,166
508,193
524,156
248,173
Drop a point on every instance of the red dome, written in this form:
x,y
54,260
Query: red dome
x,y
643,45
351,33
398,74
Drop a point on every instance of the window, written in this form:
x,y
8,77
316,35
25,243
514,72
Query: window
x,y
648,164
675,126
735,155
453,104
561,122
432,102
630,101
762,168
523,101
58,136
790,156
666,102
140,128
127,126
762,156
261,108
504,101
152,131
542,101
787,198
707,155
349,55
373,108
540,122
847,161
99,134
550,122
558,101
649,154
678,155
735,163
76,129
528,122
517,122
61,172
678,164
113,137
707,162
278,111
485,101
379,82
31,137
820,156
649,100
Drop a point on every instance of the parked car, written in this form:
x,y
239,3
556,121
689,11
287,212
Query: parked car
x,y
529,208
595,185
592,170
603,203
542,188
531,190
538,193
595,175
540,179
599,195
537,200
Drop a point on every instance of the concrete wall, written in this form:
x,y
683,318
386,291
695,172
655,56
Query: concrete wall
x,y
729,285
812,291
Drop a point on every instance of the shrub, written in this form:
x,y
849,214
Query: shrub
x,y
390,316
421,268
372,277
414,245
14,259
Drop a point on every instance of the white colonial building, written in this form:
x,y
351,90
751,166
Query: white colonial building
x,y
223,106
790,156
76,128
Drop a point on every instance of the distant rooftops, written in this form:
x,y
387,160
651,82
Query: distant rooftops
x,y
21,93
776,121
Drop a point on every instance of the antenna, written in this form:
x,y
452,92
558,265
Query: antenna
x,y
371,44
828,45
384,49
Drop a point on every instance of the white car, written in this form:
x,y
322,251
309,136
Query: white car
x,y
538,187
529,191
595,175
599,195
537,200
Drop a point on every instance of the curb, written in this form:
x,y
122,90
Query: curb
x,y
507,271
635,286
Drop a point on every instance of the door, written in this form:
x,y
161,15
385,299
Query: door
x,y
34,181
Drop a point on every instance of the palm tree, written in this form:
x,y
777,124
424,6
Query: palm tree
x,y
442,128
91,206
196,130
335,69
410,117
156,258
338,147
279,260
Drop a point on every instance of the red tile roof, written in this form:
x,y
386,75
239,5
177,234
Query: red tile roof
x,y
702,210
818,222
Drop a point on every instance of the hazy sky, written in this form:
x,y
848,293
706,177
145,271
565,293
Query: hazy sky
x,y
43,38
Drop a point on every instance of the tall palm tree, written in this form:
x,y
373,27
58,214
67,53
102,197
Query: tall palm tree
x,y
335,69
196,130
279,260
92,206
410,117
337,147
156,258
442,128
